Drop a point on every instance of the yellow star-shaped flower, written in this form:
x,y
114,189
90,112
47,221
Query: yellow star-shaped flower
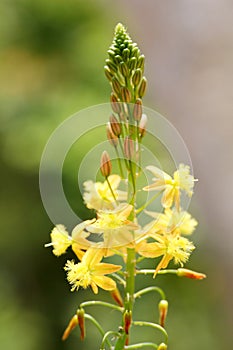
x,y
90,272
182,180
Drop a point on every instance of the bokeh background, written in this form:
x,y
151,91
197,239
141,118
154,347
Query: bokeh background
x,y
51,65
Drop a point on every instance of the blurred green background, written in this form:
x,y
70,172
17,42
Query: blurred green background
x,y
51,65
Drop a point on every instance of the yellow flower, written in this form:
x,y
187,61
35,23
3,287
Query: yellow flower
x,y
182,180
114,226
60,240
90,272
177,222
171,247
98,195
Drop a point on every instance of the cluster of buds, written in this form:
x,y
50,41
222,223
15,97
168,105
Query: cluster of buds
x,y
124,69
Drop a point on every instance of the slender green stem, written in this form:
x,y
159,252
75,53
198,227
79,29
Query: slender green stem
x,y
141,345
105,338
119,163
153,325
121,280
112,192
149,202
160,272
148,290
98,326
101,303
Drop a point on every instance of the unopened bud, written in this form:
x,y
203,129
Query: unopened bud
x,y
142,87
141,62
127,321
128,147
125,94
190,274
117,297
108,73
123,69
125,54
71,325
81,322
112,138
115,125
137,110
142,125
163,307
116,86
111,65
114,103
162,346
137,76
132,63
135,52
105,164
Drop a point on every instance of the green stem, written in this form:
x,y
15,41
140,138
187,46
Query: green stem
x,y
153,325
148,290
119,163
152,271
101,303
141,345
112,192
147,203
98,326
105,338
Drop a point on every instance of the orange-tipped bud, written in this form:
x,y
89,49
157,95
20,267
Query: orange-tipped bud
x,y
162,346
117,297
190,274
125,94
115,125
137,110
142,125
163,307
81,322
113,139
128,147
72,324
115,104
127,321
105,164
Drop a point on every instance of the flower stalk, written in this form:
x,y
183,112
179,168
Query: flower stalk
x,y
115,229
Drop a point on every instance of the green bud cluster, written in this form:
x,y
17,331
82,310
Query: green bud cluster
x,y
124,68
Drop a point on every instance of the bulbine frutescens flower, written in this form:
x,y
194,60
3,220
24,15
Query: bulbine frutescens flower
x,y
117,232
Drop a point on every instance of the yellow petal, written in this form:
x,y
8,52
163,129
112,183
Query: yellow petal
x,y
92,256
168,197
104,268
104,282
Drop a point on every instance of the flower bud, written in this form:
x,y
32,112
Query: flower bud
x,y
108,73
115,104
190,274
137,110
125,54
162,346
113,139
123,69
127,320
125,94
142,125
137,76
105,164
141,62
117,297
81,322
116,86
111,65
71,325
115,125
163,307
142,87
132,63
128,147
